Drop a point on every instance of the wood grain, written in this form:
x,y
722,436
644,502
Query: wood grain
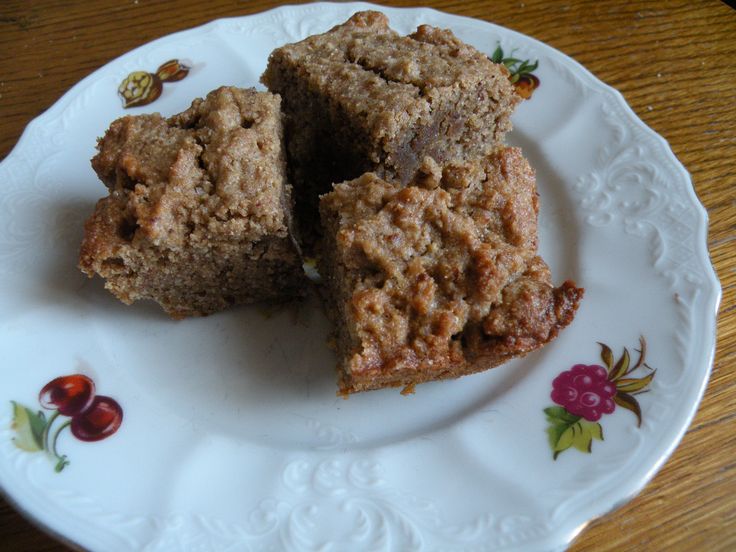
x,y
674,63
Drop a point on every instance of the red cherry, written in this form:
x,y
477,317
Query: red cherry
x,y
100,420
69,394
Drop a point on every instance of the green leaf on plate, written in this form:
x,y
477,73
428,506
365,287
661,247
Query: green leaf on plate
x,y
554,432
560,414
566,440
61,464
621,367
631,385
562,429
566,431
606,356
585,432
596,430
28,427
527,67
497,55
628,402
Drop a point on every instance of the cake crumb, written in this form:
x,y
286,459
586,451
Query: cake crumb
x,y
198,214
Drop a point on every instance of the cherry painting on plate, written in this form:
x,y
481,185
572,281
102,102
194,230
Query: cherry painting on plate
x,y
71,400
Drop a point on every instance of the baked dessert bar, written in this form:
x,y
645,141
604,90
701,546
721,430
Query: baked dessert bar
x,y
440,278
361,98
199,211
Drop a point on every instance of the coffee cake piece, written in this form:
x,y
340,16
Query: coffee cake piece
x,y
363,98
198,213
440,278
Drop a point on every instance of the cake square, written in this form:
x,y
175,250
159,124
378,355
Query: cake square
x,y
361,98
440,278
199,209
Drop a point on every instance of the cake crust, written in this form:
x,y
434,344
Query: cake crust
x,y
440,278
199,211
362,98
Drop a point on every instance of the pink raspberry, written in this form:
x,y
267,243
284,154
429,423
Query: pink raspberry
x,y
585,391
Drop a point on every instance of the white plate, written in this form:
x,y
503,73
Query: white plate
x,y
232,436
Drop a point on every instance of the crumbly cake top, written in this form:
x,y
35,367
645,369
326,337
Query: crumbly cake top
x,y
216,170
429,264
363,62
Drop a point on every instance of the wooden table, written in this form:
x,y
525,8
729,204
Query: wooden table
x,y
674,63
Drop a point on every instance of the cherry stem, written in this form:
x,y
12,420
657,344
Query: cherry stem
x,y
45,435
56,437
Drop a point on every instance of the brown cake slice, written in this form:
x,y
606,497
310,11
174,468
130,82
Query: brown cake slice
x,y
198,213
440,278
363,98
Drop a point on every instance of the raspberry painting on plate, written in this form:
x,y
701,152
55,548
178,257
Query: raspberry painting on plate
x,y
584,393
